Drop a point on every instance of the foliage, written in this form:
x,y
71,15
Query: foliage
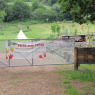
x,y
64,20
79,9
53,1
3,5
9,16
20,10
55,28
58,28
2,15
75,32
57,8
67,16
47,20
49,2
38,13
35,5
41,6
50,14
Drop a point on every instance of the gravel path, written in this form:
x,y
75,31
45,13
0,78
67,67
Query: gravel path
x,y
32,80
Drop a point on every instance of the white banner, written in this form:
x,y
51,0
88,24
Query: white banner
x,y
25,50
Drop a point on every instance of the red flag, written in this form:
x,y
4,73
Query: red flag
x,y
82,27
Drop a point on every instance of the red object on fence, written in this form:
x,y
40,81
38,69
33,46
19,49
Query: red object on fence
x,y
11,56
44,54
40,56
82,27
6,57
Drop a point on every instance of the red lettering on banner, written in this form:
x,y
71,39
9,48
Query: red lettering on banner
x,y
42,44
18,45
36,44
24,45
32,45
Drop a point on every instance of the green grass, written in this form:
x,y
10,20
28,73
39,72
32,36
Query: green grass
x,y
86,75
70,90
15,77
29,77
14,82
83,75
37,29
87,66
66,81
4,91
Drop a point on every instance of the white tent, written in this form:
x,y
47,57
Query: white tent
x,y
21,35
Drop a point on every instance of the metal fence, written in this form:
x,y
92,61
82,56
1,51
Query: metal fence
x,y
57,52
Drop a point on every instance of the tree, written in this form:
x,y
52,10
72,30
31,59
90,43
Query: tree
x,y
9,15
79,9
50,14
56,7
49,2
3,5
35,5
2,15
38,14
53,1
53,28
20,10
58,29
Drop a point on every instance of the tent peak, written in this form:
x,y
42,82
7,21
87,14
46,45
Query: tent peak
x,y
21,35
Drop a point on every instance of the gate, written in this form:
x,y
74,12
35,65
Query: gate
x,y
57,52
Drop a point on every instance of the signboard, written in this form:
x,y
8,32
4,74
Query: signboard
x,y
86,55
25,50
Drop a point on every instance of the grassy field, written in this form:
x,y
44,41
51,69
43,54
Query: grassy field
x,y
81,82
35,29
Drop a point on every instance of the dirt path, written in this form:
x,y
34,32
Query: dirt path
x,y
36,80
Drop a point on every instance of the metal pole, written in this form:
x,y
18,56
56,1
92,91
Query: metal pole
x,y
9,59
32,54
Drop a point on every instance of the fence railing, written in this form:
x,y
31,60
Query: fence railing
x,y
53,52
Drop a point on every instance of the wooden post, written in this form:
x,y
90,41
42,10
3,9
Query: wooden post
x,y
85,38
75,59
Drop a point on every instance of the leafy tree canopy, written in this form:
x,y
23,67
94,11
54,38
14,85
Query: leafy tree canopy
x,y
81,10
3,5
20,10
35,5
2,15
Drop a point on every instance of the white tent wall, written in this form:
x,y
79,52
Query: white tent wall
x,y
21,35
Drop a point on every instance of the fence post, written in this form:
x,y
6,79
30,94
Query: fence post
x,y
75,58
32,53
9,59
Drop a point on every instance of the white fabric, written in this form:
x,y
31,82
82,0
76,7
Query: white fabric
x,y
21,35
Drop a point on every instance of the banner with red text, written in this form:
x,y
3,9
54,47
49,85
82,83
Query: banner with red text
x,y
25,50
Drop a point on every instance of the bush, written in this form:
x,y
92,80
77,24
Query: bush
x,y
17,12
75,32
50,37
